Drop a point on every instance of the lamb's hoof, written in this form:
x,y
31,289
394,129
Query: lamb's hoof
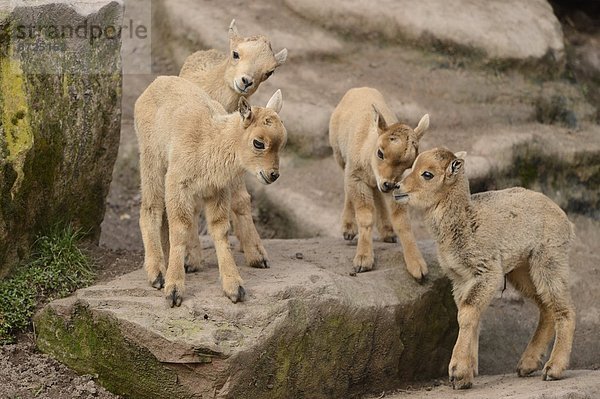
x,y
363,263
191,268
460,383
460,377
239,296
422,279
159,281
392,239
193,261
550,373
418,271
260,264
349,235
528,366
174,298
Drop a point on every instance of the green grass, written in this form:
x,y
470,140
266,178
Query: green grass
x,y
56,268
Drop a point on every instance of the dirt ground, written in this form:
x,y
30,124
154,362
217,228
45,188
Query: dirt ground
x,y
26,373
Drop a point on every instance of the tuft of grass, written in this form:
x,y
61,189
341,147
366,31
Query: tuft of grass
x,y
555,109
56,268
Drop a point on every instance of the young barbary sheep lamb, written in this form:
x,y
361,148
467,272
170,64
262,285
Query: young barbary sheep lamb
x,y
484,237
227,78
191,151
374,150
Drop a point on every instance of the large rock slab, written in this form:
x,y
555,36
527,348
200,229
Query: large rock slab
x,y
534,31
307,329
60,107
189,26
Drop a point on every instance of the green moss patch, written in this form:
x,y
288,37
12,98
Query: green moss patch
x,y
326,349
94,345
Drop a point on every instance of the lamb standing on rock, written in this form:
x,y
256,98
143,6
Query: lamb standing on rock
x,y
374,150
481,238
191,151
226,79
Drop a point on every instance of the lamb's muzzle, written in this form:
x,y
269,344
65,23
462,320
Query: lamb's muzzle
x,y
400,197
268,177
387,186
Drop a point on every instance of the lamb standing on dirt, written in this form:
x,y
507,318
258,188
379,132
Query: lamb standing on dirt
x,y
481,238
374,150
226,79
191,151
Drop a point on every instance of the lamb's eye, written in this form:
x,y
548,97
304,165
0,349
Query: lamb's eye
x,y
236,55
427,175
259,145
380,154
268,74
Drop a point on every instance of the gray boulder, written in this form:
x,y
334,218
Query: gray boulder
x,y
307,329
187,26
515,30
60,109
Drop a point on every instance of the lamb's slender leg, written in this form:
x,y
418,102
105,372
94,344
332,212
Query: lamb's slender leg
x,y
549,273
475,350
564,327
475,296
384,223
415,264
151,219
180,211
217,210
349,227
531,359
364,208
193,261
245,230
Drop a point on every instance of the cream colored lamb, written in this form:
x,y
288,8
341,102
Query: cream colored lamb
x,y
482,238
374,150
226,78
191,151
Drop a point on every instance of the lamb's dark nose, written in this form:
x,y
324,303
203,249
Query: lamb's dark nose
x,y
387,186
247,82
274,176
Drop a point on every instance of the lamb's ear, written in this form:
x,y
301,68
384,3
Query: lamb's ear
x,y
456,166
281,56
233,32
379,119
245,110
422,126
276,101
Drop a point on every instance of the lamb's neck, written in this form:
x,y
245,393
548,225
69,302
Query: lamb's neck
x,y
213,82
227,139
451,221
368,149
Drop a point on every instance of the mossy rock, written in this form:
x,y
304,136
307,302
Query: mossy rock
x,y
60,100
307,329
